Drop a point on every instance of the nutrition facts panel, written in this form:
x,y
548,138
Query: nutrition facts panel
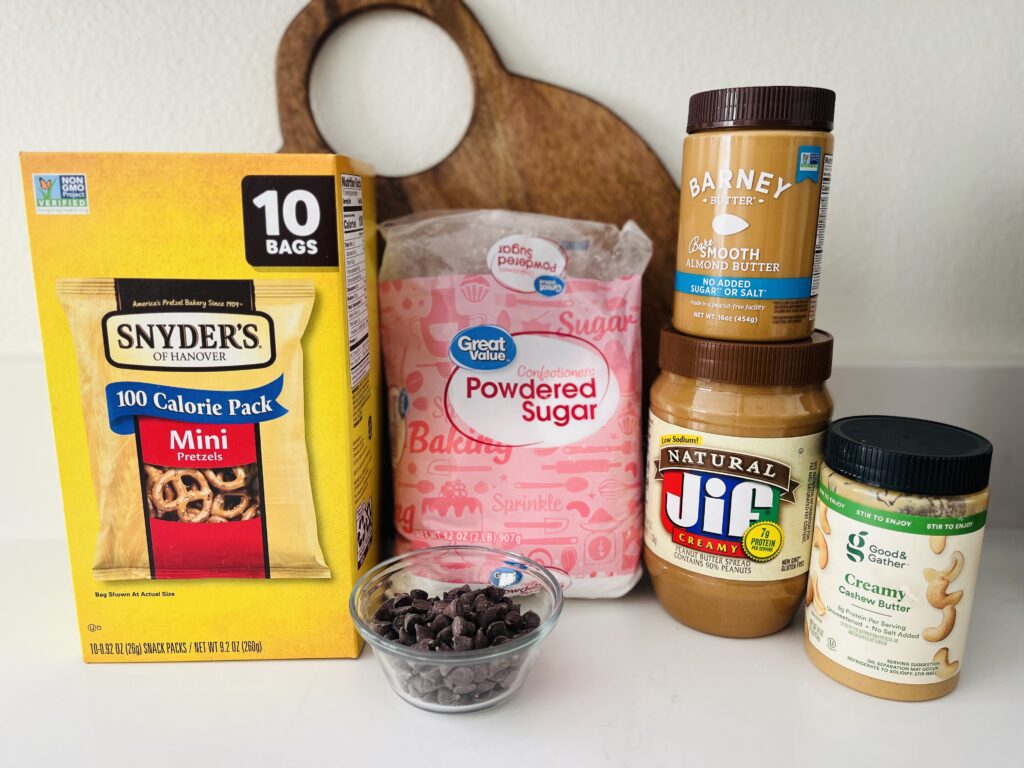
x,y
819,237
355,278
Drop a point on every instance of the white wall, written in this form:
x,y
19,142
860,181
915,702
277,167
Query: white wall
x,y
924,257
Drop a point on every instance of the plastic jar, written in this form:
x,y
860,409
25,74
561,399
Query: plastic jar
x,y
757,164
735,441
901,516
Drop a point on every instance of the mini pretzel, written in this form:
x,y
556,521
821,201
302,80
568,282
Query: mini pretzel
x,y
152,475
219,478
254,510
242,502
189,488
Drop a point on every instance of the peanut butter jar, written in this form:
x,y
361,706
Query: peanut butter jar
x,y
897,540
757,165
735,446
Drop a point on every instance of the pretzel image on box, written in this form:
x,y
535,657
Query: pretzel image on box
x,y
193,397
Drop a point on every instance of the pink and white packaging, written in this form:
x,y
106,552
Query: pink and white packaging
x,y
512,355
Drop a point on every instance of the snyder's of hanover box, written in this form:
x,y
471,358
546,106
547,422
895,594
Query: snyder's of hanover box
x,y
210,330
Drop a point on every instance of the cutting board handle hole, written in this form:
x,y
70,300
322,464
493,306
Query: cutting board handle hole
x,y
391,87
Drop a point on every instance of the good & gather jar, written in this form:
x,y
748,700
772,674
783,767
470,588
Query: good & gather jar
x,y
901,514
757,165
735,440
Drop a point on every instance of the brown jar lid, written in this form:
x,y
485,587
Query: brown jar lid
x,y
763,106
788,363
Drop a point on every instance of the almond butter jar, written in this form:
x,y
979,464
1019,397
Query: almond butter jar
x,y
735,446
757,165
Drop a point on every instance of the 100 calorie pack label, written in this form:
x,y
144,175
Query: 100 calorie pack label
x,y
731,507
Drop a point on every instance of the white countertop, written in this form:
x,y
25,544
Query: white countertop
x,y
617,683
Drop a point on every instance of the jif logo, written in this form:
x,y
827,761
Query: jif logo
x,y
853,546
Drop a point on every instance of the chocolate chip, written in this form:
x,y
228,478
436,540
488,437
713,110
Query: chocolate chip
x,y
401,600
410,621
531,619
423,633
489,616
480,639
461,643
405,638
418,594
460,676
514,620
380,627
446,697
384,612
495,630
443,647
461,626
445,635
421,605
425,644
453,609
461,689
500,640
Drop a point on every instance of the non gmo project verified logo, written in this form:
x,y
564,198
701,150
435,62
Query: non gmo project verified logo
x,y
60,193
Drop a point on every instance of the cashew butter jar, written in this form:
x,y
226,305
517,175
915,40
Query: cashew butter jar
x,y
900,520
735,446
757,165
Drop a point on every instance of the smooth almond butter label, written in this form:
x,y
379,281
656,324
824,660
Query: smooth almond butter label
x,y
752,222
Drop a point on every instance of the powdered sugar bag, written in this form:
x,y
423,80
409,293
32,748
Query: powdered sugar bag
x,y
512,355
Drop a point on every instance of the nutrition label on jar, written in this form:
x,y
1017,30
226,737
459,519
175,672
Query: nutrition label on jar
x,y
355,278
819,235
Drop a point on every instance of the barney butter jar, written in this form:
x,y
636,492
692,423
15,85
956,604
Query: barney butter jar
x,y
756,171
735,446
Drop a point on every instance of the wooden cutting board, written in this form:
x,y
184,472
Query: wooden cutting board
x,y
530,146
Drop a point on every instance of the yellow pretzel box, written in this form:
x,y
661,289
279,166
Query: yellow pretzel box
x,y
210,331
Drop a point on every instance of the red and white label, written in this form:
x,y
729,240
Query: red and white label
x,y
518,260
182,444
558,390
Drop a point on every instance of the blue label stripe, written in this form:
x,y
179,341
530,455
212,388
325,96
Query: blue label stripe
x,y
128,399
751,288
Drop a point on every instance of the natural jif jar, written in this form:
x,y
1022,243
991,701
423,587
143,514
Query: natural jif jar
x,y
901,515
756,170
736,435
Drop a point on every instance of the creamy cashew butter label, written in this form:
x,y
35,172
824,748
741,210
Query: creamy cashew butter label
x,y
889,593
731,507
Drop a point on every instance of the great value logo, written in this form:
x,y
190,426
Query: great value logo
x,y
482,348
185,341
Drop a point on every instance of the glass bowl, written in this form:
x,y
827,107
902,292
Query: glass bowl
x,y
457,681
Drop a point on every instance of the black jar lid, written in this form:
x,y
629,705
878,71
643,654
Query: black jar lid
x,y
924,458
763,106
